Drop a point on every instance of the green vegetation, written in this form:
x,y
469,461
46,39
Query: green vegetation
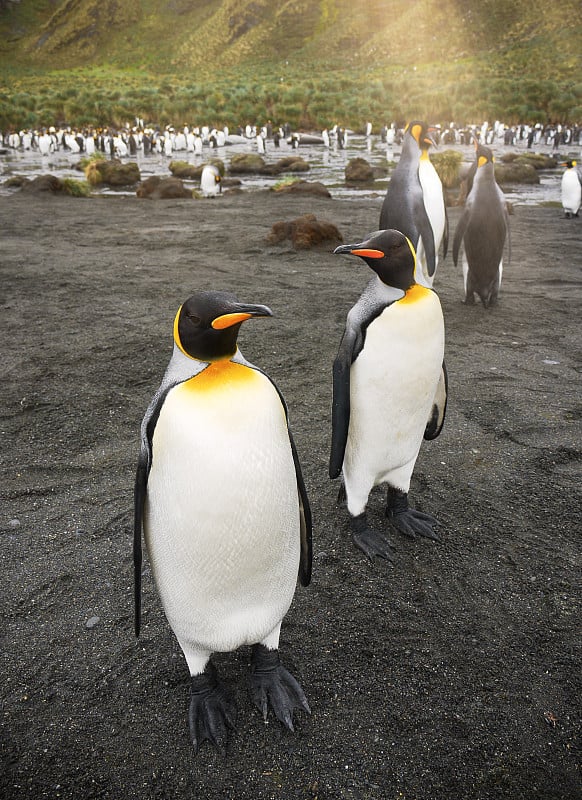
x,y
448,166
312,63
76,188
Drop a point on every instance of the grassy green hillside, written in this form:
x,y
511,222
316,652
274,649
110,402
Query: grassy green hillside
x,y
311,62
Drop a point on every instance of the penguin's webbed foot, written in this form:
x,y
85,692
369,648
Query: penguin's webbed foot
x,y
370,542
407,520
212,710
272,684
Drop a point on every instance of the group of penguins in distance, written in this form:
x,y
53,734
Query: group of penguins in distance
x,y
219,494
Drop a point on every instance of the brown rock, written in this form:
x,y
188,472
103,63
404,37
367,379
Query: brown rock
x,y
302,187
43,184
157,188
358,170
304,232
112,172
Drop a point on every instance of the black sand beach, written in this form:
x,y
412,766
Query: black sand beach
x,y
455,673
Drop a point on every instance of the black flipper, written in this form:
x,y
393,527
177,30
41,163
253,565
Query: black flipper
x,y
446,234
459,234
425,231
144,464
306,557
373,301
351,343
139,496
439,407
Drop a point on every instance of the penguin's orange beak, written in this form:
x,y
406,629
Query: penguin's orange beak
x,y
242,313
354,250
227,320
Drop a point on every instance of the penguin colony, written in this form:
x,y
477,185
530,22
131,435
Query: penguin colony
x,y
219,495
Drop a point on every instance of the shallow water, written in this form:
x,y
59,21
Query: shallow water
x,y
327,165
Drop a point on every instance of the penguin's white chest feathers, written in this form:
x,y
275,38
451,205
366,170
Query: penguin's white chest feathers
x,y
432,193
393,382
222,512
571,191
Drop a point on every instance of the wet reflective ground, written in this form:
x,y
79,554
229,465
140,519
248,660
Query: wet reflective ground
x,y
327,165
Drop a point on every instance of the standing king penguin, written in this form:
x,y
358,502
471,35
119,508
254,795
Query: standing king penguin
x,y
482,231
571,189
210,181
389,389
412,204
221,501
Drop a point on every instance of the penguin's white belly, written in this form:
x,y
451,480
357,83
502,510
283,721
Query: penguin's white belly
x,y
571,191
392,388
432,192
222,511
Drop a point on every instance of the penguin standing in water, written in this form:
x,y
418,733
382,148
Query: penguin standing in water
x,y
571,189
405,208
389,389
220,498
481,232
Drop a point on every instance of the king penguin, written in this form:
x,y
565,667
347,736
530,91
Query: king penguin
x,y
571,187
210,181
221,500
389,389
482,231
405,207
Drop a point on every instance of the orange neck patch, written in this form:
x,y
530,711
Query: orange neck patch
x,y
415,293
221,375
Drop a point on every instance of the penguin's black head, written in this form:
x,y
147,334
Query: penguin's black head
x,y
207,324
389,253
483,155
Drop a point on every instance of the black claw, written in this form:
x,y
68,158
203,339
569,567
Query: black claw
x,y
212,710
407,520
370,542
272,684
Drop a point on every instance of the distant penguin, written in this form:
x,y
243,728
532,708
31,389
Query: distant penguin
x,y
481,232
210,181
222,502
571,189
404,206
45,144
389,388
